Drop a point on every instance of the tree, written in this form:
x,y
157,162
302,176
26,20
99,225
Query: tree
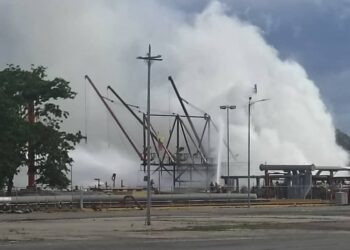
x,y
11,141
32,132
12,133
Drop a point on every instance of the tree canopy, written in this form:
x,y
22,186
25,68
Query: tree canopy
x,y
23,92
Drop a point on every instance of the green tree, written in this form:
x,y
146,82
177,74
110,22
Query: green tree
x,y
12,134
33,123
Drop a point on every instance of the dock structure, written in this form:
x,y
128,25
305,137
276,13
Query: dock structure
x,y
185,153
295,181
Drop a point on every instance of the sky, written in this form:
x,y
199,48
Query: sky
x,y
295,51
315,33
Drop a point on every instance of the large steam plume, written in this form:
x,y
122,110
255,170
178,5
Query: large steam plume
x,y
214,58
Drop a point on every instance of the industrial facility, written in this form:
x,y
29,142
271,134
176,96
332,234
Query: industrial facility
x,y
186,158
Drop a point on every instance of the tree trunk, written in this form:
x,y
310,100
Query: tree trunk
x,y
9,185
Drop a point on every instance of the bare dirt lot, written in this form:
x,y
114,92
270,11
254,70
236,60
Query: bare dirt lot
x,y
181,228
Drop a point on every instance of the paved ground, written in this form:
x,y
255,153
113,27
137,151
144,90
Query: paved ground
x,y
181,228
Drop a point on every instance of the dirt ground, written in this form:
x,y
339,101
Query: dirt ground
x,y
186,222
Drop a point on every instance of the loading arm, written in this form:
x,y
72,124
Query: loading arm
x,y
114,117
153,134
188,118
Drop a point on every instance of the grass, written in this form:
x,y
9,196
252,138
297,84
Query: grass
x,y
227,227
217,228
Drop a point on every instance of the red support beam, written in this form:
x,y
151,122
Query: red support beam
x,y
31,155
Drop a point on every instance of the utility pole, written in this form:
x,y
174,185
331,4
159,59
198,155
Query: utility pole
x,y
228,145
249,105
149,58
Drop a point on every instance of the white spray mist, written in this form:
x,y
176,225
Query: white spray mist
x,y
214,58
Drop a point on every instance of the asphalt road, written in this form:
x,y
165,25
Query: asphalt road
x,y
185,228
314,241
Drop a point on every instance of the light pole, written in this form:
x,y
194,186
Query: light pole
x,y
148,58
71,178
228,107
250,103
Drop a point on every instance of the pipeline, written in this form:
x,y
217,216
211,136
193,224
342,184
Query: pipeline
x,y
120,198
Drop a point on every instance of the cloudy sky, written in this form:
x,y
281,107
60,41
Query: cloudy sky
x,y
315,33
296,51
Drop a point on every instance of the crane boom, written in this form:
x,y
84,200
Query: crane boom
x,y
114,117
202,152
153,134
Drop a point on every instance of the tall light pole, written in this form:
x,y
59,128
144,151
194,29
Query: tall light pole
x,y
228,107
71,178
148,58
250,103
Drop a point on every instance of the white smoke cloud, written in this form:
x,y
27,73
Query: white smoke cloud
x,y
214,58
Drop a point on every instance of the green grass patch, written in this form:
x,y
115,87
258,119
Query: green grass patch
x,y
225,227
217,228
